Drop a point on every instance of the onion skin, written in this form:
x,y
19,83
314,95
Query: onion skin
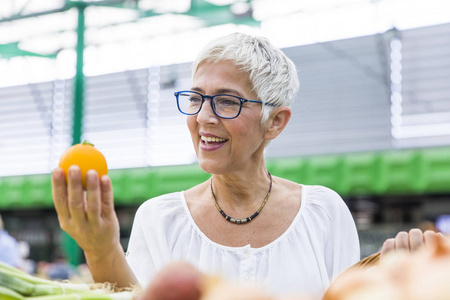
x,y
401,275
178,280
182,281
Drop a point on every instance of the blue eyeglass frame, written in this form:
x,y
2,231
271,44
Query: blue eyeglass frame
x,y
204,97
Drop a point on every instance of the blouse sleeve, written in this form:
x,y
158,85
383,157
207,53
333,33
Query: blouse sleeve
x,y
342,248
156,227
138,254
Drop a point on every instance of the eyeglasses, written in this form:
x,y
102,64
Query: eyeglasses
x,y
223,105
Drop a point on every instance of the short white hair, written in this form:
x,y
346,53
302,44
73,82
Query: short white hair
x,y
272,74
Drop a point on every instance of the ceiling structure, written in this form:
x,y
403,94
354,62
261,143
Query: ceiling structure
x,y
40,54
131,34
58,18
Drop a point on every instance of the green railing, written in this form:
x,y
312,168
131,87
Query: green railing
x,y
418,171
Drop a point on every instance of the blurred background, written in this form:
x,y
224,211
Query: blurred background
x,y
371,120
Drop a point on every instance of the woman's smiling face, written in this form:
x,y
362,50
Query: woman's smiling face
x,y
226,145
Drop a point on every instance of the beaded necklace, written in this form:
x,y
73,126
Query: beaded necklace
x,y
246,220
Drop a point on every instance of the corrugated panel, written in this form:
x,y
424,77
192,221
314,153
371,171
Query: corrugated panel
x,y
343,107
171,139
115,116
343,104
33,124
426,89
132,117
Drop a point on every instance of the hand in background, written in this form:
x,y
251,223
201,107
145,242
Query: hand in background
x,y
411,241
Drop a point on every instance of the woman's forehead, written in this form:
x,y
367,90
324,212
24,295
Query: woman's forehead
x,y
220,67
221,76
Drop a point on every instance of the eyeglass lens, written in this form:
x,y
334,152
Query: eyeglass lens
x,y
225,106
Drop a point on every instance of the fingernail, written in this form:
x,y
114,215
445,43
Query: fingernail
x,y
91,175
105,179
74,171
56,173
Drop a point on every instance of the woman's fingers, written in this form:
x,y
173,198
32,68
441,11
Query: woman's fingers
x,y
430,238
80,212
410,241
416,239
388,246
93,202
413,240
71,202
107,197
59,194
402,240
76,195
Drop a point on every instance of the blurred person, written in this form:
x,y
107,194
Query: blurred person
x,y
243,223
9,248
41,269
28,265
59,268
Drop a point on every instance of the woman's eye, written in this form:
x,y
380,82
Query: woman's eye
x,y
195,99
227,101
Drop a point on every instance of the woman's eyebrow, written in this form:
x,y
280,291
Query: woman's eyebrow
x,y
229,91
219,91
196,89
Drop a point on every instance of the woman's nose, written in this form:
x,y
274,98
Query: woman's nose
x,y
206,113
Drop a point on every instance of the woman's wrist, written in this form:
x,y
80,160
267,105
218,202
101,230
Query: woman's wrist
x,y
111,266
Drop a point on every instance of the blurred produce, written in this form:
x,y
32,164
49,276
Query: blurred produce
x,y
16,284
420,275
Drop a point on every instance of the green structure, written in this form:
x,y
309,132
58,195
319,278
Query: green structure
x,y
407,172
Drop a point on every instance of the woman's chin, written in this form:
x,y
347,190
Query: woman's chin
x,y
211,166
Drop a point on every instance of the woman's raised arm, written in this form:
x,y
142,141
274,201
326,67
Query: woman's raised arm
x,y
90,219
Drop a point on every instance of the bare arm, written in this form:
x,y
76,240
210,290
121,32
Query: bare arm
x,y
91,221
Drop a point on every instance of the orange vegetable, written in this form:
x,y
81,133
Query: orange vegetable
x,y
85,156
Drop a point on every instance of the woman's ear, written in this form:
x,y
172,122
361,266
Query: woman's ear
x,y
278,119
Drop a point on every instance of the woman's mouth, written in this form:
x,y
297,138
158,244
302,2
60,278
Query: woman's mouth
x,y
209,140
210,143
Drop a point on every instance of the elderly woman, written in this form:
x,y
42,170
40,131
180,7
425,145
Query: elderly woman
x,y
243,223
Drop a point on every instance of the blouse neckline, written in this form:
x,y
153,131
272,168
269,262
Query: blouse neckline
x,y
248,246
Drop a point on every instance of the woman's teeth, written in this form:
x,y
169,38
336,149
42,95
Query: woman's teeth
x,y
212,139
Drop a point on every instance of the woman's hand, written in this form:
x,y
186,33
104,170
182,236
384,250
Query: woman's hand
x,y
411,241
89,218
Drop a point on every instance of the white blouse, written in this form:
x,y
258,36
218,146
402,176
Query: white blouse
x,y
321,242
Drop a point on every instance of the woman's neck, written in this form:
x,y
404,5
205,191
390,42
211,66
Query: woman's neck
x,y
241,190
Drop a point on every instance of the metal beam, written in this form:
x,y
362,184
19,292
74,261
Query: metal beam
x,y
79,80
37,14
71,248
